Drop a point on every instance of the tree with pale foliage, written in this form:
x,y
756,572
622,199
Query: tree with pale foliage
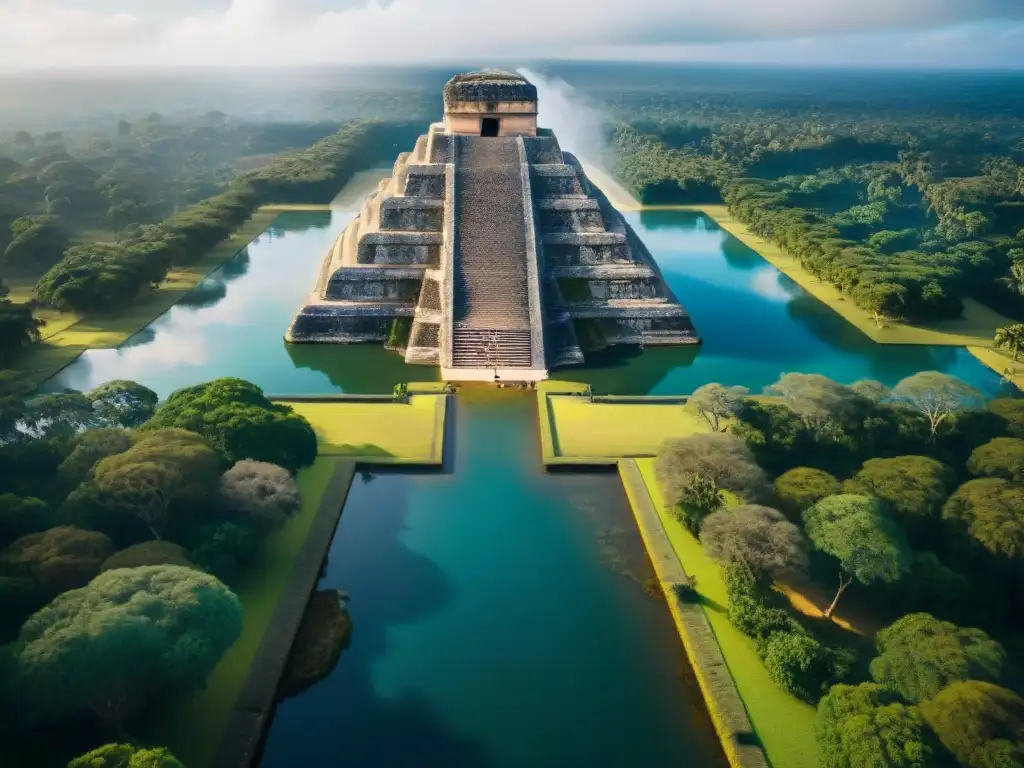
x,y
716,403
758,538
816,398
264,495
853,529
127,756
938,397
123,403
694,471
867,726
919,655
129,635
1011,338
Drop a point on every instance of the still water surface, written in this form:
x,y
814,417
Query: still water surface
x,y
497,610
756,324
498,620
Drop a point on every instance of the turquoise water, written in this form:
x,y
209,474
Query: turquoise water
x,y
498,620
497,610
756,324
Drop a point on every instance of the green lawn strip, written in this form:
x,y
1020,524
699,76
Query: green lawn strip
x,y
576,429
1000,362
62,347
192,728
784,724
372,432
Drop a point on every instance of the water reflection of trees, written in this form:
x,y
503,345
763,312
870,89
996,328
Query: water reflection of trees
x,y
359,368
212,289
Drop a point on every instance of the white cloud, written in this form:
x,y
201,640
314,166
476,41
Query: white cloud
x,y
38,33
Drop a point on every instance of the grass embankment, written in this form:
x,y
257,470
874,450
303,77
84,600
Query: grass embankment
x,y
379,432
975,330
578,430
783,724
193,727
67,335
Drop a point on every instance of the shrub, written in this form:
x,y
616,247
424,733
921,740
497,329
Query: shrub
x,y
801,488
801,665
224,549
262,495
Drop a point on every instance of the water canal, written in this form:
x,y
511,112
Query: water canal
x,y
498,613
756,324
498,620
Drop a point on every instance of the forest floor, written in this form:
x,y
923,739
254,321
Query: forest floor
x,y
379,432
783,723
67,335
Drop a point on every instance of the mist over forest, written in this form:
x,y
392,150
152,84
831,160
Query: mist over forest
x,y
54,100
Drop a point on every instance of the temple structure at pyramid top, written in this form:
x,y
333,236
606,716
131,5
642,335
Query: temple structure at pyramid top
x,y
489,253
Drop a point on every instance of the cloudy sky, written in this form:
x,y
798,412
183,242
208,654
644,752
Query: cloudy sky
x,y
38,34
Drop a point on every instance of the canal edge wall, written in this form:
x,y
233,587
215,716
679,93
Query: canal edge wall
x,y
243,733
732,724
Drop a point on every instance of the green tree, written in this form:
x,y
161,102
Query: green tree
x,y
224,549
867,726
913,487
757,538
981,724
240,422
57,559
19,328
802,487
991,512
164,470
853,529
94,649
123,403
1011,410
39,243
126,756
716,403
936,396
90,448
1002,457
919,655
801,665
148,553
20,516
1011,338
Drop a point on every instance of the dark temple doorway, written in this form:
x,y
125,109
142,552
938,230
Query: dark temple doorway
x,y
489,126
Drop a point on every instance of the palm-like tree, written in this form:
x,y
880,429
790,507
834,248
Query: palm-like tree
x,y
1011,338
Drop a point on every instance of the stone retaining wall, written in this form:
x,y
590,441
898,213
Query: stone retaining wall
x,y
723,700
243,734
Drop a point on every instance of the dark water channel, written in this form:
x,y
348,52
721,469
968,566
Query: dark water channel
x,y
499,619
